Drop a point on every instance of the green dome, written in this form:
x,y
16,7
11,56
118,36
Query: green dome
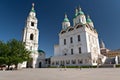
x,y
41,51
80,13
88,19
75,15
66,20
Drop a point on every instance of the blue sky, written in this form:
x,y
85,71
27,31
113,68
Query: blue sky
x,y
50,13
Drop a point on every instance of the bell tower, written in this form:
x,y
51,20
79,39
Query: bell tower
x,y
30,37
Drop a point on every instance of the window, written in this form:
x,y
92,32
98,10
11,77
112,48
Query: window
x,y
52,63
68,62
80,61
78,38
72,51
79,26
32,23
31,36
71,40
73,61
79,50
65,54
70,29
63,32
64,41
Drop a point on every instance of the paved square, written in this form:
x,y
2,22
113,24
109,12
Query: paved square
x,y
57,74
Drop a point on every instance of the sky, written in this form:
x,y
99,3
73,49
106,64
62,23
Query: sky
x,y
50,13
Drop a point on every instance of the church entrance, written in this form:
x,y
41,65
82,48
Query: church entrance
x,y
30,63
40,64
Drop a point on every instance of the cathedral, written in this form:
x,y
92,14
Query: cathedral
x,y
78,44
30,38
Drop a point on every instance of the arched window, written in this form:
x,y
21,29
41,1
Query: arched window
x,y
79,50
31,36
79,26
64,41
63,32
78,38
71,51
32,23
70,29
71,40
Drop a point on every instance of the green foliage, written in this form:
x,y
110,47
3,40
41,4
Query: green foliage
x,y
13,52
118,66
4,50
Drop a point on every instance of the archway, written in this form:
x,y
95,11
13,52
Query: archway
x,y
40,64
31,36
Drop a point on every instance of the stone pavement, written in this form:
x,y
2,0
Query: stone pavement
x,y
61,74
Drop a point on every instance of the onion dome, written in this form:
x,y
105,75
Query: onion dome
x,y
80,12
66,19
88,19
76,13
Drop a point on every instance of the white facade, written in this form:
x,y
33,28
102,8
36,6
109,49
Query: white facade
x,y
30,38
78,45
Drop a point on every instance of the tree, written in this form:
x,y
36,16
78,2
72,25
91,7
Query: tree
x,y
13,52
4,50
18,53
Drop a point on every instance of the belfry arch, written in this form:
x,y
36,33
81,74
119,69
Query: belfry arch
x,y
31,37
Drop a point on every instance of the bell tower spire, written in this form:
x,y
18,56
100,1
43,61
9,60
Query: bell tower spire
x,y
33,7
32,12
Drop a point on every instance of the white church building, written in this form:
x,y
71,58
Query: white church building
x,y
30,38
78,44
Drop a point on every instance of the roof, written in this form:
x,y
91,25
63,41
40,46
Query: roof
x,y
41,51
